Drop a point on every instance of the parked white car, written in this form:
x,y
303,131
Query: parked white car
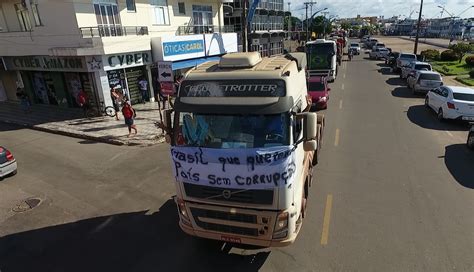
x,y
378,45
8,164
404,59
452,102
423,81
411,69
355,47
470,137
379,53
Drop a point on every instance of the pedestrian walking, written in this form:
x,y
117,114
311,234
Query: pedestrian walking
x,y
129,114
82,101
117,98
24,100
143,86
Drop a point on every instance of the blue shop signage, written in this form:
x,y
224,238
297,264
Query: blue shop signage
x,y
183,47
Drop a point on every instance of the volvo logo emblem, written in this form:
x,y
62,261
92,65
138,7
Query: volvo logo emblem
x,y
226,194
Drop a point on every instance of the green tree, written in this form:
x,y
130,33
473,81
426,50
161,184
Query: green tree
x,y
346,26
321,25
461,49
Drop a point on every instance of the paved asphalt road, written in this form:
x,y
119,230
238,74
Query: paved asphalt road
x,y
393,192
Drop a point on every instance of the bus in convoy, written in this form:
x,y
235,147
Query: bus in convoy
x,y
322,58
243,147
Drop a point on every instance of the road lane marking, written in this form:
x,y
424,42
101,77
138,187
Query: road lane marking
x,y
449,133
116,156
342,87
327,221
336,140
344,75
340,104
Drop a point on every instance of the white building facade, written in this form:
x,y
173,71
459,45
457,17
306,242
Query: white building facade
x,y
53,49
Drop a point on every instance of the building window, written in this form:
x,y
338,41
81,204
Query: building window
x,y
203,19
23,18
108,19
181,8
131,6
35,11
160,12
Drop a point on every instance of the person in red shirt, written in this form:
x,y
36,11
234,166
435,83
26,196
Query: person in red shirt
x,y
129,114
82,101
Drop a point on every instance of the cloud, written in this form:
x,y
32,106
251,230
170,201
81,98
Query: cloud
x,y
387,8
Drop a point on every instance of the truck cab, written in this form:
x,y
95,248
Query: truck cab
x,y
243,147
322,58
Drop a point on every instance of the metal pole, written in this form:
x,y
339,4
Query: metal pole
x,y
418,28
307,30
245,27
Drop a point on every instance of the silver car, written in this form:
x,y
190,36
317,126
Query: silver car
x,y
423,81
413,68
8,166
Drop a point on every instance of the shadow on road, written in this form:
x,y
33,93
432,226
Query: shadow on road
x,y
385,71
395,81
425,118
121,242
460,160
8,127
404,92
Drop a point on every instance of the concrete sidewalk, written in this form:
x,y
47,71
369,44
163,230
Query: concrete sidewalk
x,y
70,122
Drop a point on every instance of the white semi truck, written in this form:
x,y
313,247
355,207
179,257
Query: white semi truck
x,y
243,148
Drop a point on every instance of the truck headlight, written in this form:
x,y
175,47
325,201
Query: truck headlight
x,y
281,226
182,208
323,99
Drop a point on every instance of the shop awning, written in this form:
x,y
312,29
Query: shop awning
x,y
191,63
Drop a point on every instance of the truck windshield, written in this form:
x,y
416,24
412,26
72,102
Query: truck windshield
x,y
320,55
232,131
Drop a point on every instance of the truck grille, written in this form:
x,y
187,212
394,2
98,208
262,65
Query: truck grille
x,y
261,197
238,217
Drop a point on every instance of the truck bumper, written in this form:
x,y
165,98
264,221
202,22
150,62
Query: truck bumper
x,y
237,239
235,225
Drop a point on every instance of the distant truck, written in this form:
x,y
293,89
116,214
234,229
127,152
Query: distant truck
x,y
322,58
243,146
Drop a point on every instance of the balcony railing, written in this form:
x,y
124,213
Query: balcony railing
x,y
202,29
112,31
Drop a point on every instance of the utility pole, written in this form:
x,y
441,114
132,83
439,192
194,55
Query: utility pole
x,y
418,28
310,4
289,17
245,27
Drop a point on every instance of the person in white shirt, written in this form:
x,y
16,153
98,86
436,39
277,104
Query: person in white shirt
x,y
143,86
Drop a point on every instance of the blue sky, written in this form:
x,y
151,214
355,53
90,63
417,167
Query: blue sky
x,y
387,8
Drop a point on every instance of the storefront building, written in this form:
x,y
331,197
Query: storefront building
x,y
125,70
188,51
49,80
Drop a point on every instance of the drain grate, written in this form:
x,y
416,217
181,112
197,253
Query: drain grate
x,y
27,204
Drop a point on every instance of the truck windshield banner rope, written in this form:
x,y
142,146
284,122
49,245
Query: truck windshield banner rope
x,y
254,168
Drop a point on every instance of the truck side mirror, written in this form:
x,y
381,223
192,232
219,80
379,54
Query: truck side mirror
x,y
311,145
310,125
